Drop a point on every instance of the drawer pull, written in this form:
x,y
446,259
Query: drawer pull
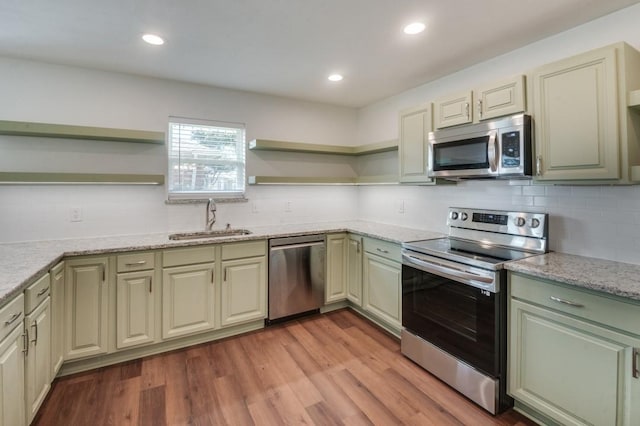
x,y
138,263
635,368
13,318
382,250
43,291
566,302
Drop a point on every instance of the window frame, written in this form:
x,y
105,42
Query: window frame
x,y
177,196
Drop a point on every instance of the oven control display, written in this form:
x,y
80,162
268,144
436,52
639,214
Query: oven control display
x,y
496,219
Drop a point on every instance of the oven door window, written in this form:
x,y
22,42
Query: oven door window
x,y
463,154
458,318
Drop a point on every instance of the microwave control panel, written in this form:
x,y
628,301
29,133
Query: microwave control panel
x,y
511,149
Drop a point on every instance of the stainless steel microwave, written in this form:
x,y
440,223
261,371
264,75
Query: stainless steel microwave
x,y
493,149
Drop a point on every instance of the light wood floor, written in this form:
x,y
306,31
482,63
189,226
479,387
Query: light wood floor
x,y
330,369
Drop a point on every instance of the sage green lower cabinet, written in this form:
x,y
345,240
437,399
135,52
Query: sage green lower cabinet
x,y
57,318
336,283
38,357
572,363
135,309
382,288
12,392
244,290
86,307
188,300
354,269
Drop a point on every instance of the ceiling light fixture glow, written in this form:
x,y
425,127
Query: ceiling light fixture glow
x,y
414,28
153,39
335,77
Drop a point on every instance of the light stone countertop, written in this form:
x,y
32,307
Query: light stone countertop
x,y
616,278
22,263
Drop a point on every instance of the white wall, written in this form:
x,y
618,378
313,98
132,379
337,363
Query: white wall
x,y
48,93
598,221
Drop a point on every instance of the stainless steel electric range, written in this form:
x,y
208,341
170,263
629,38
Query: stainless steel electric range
x,y
454,302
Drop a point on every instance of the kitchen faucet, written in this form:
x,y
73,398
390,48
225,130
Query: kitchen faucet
x,y
211,214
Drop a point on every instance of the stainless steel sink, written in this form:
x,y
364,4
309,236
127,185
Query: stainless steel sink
x,y
209,234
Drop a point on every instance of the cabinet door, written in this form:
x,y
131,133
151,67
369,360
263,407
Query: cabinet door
x,y
38,361
354,270
188,297
135,309
499,99
572,371
453,110
57,318
86,307
336,285
244,290
413,150
382,289
575,103
12,396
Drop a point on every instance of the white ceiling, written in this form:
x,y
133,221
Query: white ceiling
x,y
286,47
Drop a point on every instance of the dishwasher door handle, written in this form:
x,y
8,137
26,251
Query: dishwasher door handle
x,y
294,246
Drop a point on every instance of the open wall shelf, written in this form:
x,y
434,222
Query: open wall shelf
x,y
23,128
271,145
16,178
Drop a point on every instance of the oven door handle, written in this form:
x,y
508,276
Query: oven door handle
x,y
466,277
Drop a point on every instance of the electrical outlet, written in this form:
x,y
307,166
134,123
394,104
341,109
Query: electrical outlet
x,y
287,206
254,207
401,206
75,214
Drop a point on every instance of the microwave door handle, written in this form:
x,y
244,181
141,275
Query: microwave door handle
x,y
492,151
449,272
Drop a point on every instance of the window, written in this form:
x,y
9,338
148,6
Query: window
x,y
206,159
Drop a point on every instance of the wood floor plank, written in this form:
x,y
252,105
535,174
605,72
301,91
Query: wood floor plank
x,y
336,368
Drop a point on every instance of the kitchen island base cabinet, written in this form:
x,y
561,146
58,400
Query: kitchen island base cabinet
x,y
38,357
565,365
354,270
188,300
86,307
57,318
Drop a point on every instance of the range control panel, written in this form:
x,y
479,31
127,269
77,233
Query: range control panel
x,y
504,222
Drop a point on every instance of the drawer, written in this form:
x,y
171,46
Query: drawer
x,y
36,293
240,250
11,315
605,310
188,256
385,249
135,262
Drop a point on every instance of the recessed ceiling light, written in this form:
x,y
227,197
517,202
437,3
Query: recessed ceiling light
x,y
335,77
414,28
153,39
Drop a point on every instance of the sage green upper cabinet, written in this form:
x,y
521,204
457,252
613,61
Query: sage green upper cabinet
x,y
500,98
492,100
452,110
584,130
571,354
415,125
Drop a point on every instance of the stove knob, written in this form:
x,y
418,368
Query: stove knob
x,y
520,221
535,223
453,215
463,216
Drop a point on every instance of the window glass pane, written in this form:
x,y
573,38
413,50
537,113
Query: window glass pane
x,y
206,159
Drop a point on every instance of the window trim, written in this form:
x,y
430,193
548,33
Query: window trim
x,y
199,196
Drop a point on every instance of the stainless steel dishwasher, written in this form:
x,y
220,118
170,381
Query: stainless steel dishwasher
x,y
296,275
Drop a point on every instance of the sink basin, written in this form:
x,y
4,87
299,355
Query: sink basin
x,y
209,234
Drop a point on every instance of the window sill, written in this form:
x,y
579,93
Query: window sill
x,y
205,200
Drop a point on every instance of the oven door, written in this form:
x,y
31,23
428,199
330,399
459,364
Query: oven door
x,y
472,155
441,306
